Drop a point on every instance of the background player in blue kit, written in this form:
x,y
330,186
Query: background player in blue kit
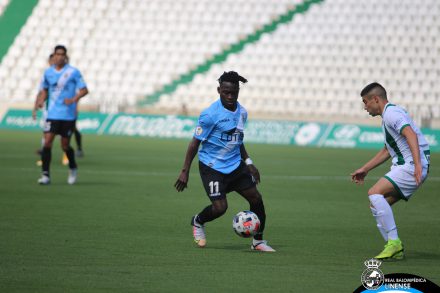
x,y
62,86
39,103
224,164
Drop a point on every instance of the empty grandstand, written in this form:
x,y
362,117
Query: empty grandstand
x,y
303,59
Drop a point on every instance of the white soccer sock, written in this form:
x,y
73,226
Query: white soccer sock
x,y
379,225
384,215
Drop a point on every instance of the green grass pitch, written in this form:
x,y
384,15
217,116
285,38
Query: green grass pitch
x,y
123,227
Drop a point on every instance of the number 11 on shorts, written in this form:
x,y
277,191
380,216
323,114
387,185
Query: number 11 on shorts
x,y
214,188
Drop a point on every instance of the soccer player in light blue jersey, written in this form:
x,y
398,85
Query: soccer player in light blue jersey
x,y
62,87
39,103
409,150
224,164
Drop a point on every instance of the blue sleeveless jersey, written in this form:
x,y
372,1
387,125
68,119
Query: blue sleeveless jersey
x,y
61,85
221,133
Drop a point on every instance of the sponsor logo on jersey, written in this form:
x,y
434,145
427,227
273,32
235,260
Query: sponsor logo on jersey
x,y
232,135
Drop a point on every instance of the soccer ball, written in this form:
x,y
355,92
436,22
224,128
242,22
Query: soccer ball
x,y
246,224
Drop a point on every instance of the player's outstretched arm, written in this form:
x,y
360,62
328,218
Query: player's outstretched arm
x,y
254,171
359,175
413,143
182,180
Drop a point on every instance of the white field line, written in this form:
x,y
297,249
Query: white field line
x,y
175,174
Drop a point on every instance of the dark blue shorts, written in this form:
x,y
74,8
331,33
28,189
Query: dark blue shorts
x,y
217,184
61,127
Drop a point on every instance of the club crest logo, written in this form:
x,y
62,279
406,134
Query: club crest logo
x,y
372,278
199,130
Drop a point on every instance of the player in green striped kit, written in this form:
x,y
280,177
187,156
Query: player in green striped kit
x,y
409,151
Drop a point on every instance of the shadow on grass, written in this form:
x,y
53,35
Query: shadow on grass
x,y
236,247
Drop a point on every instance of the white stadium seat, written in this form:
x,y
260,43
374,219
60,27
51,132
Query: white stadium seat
x,y
315,64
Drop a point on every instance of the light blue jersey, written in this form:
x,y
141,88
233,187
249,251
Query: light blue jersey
x,y
61,85
221,133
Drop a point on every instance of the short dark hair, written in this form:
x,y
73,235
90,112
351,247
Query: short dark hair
x,y
232,77
58,47
377,87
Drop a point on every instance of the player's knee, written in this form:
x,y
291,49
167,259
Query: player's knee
x,y
65,146
220,207
256,200
48,144
253,196
221,210
372,191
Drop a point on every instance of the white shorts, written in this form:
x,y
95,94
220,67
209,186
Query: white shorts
x,y
403,180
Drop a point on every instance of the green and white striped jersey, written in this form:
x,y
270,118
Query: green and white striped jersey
x,y
394,120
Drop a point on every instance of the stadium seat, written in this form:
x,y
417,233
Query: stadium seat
x,y
326,54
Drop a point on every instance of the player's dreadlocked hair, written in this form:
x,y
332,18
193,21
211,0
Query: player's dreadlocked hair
x,y
231,76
